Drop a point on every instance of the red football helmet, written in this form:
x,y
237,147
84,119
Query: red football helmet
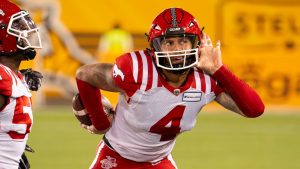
x,y
175,22
17,29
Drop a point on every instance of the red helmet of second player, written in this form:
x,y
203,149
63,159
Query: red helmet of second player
x,y
17,29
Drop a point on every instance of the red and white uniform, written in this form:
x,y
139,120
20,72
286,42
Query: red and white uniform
x,y
15,117
152,113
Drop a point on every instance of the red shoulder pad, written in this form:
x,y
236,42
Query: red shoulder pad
x,y
5,81
123,74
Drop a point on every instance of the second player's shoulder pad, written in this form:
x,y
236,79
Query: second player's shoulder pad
x,y
5,80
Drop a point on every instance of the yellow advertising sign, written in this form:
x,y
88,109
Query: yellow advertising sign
x,y
260,23
261,44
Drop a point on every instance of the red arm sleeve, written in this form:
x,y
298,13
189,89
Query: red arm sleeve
x,y
244,96
215,87
91,98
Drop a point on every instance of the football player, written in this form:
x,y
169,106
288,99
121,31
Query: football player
x,y
19,37
162,90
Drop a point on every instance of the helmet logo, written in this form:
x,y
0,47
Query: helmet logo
x,y
1,12
191,24
157,27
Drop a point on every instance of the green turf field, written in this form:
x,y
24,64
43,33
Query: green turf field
x,y
219,141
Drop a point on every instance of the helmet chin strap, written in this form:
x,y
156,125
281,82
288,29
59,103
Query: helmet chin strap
x,y
28,54
179,72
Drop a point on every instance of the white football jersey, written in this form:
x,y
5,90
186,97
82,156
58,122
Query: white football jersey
x,y
15,117
152,113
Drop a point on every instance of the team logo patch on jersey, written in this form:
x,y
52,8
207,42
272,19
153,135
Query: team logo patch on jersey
x,y
192,96
117,72
108,162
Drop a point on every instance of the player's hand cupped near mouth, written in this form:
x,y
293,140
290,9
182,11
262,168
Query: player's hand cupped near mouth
x,y
210,59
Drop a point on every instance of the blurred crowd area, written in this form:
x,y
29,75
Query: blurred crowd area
x,y
260,40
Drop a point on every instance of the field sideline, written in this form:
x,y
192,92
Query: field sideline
x,y
219,141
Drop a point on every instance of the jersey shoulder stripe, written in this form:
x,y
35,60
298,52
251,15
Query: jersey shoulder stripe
x,y
143,70
138,70
151,78
206,83
150,70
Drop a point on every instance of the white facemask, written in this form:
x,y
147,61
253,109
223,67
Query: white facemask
x,y
186,59
22,26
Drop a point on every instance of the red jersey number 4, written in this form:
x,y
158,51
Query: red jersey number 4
x,y
169,132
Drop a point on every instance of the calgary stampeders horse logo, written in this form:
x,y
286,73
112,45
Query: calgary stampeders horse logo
x,y
118,72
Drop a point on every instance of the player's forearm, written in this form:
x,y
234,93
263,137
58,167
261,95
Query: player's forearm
x,y
244,96
98,75
91,98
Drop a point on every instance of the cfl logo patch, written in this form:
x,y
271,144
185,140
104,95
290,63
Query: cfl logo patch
x,y
108,162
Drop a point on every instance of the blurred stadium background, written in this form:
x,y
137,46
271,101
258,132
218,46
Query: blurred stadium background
x,y
260,43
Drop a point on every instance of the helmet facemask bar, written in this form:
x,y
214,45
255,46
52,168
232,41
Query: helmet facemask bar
x,y
164,59
179,59
22,27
